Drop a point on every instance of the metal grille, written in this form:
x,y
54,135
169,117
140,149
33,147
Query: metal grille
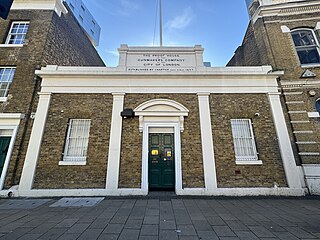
x,y
17,33
77,140
6,77
244,145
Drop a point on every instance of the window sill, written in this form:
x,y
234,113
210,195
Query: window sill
x,y
313,114
240,162
313,65
3,99
72,163
11,45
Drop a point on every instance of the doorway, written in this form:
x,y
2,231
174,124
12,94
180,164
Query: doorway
x,y
4,146
161,157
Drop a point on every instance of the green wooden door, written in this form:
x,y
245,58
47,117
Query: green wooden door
x,y
161,161
4,145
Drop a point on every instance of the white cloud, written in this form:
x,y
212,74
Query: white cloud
x,y
181,21
113,53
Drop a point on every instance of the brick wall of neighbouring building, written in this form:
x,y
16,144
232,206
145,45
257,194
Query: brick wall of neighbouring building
x,y
50,40
225,107
191,150
98,108
266,39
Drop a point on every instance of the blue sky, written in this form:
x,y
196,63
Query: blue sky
x,y
219,26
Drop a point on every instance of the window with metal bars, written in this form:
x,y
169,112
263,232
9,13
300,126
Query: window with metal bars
x,y
306,45
243,139
17,33
6,77
77,140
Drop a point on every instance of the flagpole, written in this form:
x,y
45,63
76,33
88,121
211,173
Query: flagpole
x,y
160,23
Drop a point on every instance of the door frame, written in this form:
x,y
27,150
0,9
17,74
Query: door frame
x,y
145,151
14,131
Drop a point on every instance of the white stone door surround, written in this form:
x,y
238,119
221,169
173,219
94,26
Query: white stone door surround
x,y
145,146
9,124
161,113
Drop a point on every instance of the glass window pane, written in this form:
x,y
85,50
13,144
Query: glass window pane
x,y
309,56
318,105
6,77
303,38
306,46
18,33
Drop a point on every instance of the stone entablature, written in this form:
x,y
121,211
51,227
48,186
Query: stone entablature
x,y
284,8
56,5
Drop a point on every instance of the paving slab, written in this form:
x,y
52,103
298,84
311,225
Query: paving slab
x,y
163,218
77,202
149,230
23,203
129,234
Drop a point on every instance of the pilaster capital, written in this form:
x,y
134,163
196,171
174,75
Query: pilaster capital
x,y
203,94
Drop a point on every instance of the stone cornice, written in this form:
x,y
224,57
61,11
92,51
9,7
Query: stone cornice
x,y
54,71
287,8
55,5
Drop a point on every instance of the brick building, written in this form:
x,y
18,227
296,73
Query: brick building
x,y
33,36
159,120
286,34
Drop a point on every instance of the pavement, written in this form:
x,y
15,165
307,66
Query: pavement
x,y
160,217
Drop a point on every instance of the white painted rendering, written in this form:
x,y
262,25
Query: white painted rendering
x,y
306,143
313,114
317,26
209,166
159,59
161,130
289,164
303,132
56,5
273,2
9,124
107,80
72,163
296,122
113,167
309,153
284,7
141,192
165,114
30,163
312,176
258,162
9,46
168,110
285,29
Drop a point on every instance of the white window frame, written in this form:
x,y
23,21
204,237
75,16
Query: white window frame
x,y
10,33
5,97
83,141
317,46
243,159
